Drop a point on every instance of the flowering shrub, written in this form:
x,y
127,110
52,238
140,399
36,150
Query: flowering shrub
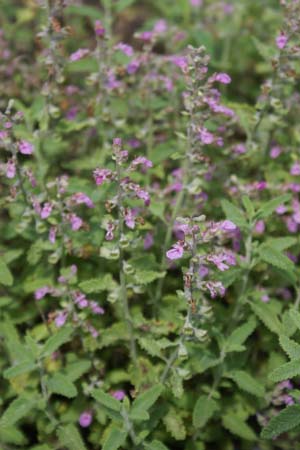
x,y
150,217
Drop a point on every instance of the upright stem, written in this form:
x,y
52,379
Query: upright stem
x,y
124,298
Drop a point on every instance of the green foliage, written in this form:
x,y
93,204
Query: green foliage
x,y
204,409
69,437
285,421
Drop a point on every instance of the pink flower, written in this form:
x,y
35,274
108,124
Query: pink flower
x,y
140,193
141,160
99,29
80,198
239,149
281,209
76,222
160,26
148,241
281,40
205,136
176,252
275,152
85,419
41,292
265,298
195,3
60,319
79,54
227,225
259,227
133,66
52,235
46,210
96,308
129,218
223,78
180,61
295,169
215,288
102,175
119,395
25,147
124,48
10,169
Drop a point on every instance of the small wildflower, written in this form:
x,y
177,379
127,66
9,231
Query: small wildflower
x,y
85,419
281,40
176,252
25,147
79,54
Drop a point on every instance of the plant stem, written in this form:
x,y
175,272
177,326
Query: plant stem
x,y
124,298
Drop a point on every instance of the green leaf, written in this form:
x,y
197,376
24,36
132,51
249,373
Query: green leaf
x,y
291,348
89,11
115,439
150,346
267,316
204,409
60,384
281,243
248,205
70,437
122,4
96,285
234,214
6,277
267,208
19,369
238,427
76,369
239,335
147,276
144,401
18,409
295,316
285,421
57,340
286,371
246,382
106,400
275,258
155,445
12,435
174,425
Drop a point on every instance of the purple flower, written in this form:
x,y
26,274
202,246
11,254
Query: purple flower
x,y
195,3
239,149
215,288
141,160
124,48
52,235
80,198
206,137
119,395
76,222
96,308
223,78
160,26
41,292
10,169
102,175
281,209
180,61
148,241
295,169
275,152
60,319
25,147
79,54
133,66
85,419
227,225
99,29
46,210
259,227
140,193
129,218
176,252
265,298
281,40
